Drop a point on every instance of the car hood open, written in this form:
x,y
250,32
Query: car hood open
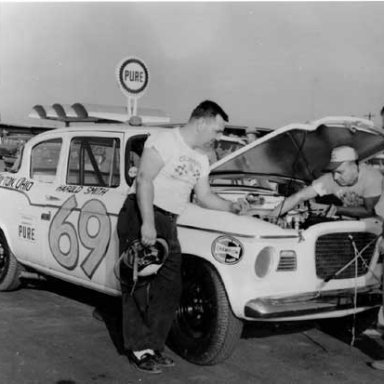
x,y
302,151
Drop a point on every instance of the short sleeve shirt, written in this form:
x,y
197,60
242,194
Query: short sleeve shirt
x,y
369,184
183,167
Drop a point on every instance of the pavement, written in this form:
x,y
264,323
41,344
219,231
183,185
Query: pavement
x,y
51,334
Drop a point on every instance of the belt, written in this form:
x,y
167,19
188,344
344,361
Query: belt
x,y
132,196
164,212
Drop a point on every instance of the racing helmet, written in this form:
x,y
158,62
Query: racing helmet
x,y
145,260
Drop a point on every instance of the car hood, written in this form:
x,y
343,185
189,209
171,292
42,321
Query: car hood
x,y
302,151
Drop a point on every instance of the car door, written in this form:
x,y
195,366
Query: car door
x,y
82,240
34,184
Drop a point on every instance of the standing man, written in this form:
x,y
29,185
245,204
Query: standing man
x,y
379,364
173,163
357,185
382,117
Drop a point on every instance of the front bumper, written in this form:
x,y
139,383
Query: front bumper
x,y
312,303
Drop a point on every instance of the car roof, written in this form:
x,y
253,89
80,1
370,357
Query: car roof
x,y
113,128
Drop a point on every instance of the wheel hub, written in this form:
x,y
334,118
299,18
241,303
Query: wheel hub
x,y
194,311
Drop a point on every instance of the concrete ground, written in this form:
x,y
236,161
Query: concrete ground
x,y
49,334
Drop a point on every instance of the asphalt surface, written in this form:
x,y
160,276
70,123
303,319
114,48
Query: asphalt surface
x,y
50,334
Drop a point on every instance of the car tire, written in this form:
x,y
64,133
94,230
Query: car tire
x,y
205,330
10,268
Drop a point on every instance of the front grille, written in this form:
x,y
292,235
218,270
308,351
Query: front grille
x,y
334,251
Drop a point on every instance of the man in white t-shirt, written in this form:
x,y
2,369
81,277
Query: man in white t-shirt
x,y
172,165
358,186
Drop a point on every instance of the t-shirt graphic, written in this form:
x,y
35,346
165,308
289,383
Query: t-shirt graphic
x,y
187,169
183,167
350,198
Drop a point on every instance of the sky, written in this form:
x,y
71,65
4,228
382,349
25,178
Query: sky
x,y
267,64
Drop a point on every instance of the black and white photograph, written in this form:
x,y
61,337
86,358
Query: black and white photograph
x,y
191,192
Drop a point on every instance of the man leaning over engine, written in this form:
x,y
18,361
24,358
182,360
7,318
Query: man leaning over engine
x,y
357,185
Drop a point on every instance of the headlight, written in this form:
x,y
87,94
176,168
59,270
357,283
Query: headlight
x,y
264,261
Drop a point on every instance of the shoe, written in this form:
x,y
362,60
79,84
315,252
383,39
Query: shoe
x,y
163,361
97,314
378,364
146,363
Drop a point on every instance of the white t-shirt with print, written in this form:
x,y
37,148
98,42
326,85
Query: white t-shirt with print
x,y
368,185
183,167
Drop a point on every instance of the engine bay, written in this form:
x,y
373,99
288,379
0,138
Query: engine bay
x,y
264,194
302,217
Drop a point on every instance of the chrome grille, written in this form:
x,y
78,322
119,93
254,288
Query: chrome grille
x,y
334,251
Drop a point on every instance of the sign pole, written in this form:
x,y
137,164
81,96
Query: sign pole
x,y
129,107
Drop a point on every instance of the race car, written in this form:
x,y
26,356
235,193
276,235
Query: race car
x,y
59,207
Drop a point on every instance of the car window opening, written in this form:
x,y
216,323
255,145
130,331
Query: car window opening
x,y
94,162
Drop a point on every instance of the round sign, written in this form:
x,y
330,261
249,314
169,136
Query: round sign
x,y
133,76
227,249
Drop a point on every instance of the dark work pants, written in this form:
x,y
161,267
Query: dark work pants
x,y
149,311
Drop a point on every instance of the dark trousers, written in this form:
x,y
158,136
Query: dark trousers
x,y
148,312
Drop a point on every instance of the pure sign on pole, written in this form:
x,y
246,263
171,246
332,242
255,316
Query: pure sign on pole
x,y
133,78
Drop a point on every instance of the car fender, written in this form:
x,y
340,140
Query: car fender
x,y
237,275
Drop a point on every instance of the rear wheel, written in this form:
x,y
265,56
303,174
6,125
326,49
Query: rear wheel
x,y
205,330
10,268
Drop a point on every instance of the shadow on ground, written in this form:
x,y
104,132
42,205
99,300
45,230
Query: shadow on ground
x,y
360,330
108,310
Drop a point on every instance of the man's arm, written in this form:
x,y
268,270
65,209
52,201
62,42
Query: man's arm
x,y
150,165
207,199
289,203
367,210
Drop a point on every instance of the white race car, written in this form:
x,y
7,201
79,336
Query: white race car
x,y
59,209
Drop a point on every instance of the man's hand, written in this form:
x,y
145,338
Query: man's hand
x,y
331,211
381,246
148,234
240,207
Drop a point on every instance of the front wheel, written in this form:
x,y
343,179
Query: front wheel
x,y
205,330
10,268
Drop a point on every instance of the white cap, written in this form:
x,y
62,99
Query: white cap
x,y
340,155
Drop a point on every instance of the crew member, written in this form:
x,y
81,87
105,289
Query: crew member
x,y
173,163
382,117
379,364
357,185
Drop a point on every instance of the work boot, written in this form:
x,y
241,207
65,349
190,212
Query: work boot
x,y
163,361
378,364
145,363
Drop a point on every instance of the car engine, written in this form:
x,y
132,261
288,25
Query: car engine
x,y
302,217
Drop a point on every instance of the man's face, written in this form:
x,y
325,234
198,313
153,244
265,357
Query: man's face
x,y
251,137
346,174
210,130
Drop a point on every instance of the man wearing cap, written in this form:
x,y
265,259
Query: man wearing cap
x,y
358,186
